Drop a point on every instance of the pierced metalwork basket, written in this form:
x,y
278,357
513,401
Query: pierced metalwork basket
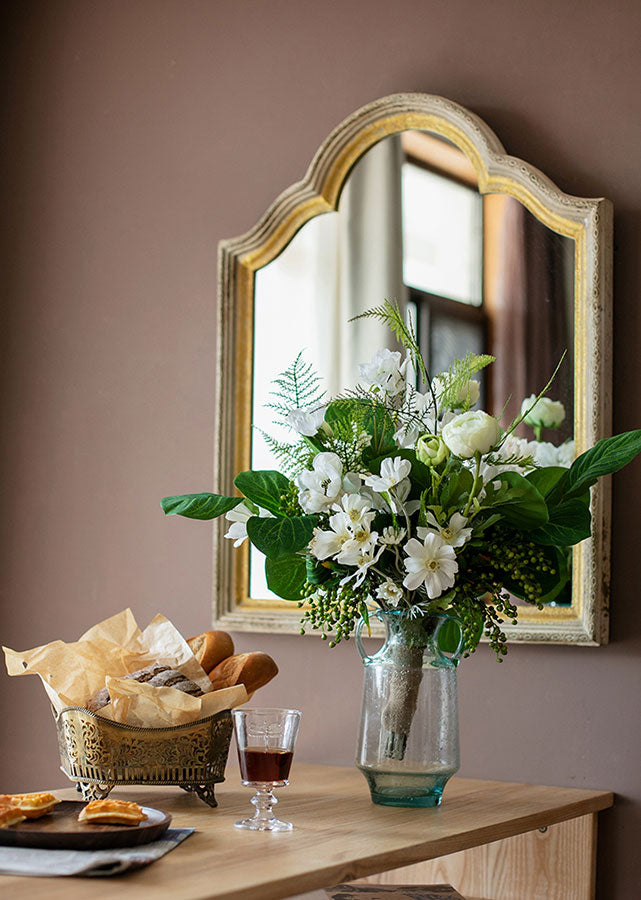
x,y
99,754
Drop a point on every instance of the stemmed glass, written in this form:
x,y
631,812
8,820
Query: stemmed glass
x,y
265,740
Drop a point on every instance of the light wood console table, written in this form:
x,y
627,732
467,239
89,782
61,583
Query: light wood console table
x,y
484,839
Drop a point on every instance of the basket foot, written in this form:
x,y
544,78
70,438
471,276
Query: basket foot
x,y
92,791
204,791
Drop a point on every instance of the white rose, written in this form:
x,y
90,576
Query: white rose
x,y
305,421
467,395
545,414
471,432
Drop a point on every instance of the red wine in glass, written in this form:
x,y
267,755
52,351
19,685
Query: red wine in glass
x,y
261,764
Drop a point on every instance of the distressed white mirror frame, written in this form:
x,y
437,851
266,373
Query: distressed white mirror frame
x,y
587,221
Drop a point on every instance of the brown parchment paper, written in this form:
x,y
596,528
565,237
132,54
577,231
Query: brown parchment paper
x,y
73,673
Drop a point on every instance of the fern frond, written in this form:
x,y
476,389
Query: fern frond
x,y
298,387
457,376
293,457
515,459
390,315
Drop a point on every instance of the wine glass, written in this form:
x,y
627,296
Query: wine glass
x,y
265,741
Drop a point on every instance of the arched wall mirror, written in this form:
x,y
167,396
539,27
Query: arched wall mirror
x,y
413,198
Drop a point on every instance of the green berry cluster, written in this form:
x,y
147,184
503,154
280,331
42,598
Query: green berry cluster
x,y
332,608
288,501
519,562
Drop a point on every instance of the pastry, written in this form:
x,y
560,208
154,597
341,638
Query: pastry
x,y
251,669
156,675
112,812
211,648
10,815
33,805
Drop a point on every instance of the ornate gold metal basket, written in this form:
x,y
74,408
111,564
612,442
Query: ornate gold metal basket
x,y
99,754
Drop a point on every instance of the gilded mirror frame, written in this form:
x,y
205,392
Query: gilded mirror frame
x,y
587,221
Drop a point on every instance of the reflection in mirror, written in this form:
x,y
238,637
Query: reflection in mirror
x,y
474,273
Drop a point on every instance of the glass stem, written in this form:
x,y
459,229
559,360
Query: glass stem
x,y
264,801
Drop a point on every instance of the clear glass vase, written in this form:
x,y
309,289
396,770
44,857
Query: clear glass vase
x,y
408,744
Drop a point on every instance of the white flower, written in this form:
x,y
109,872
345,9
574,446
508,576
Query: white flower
x,y
385,372
321,486
356,508
454,533
407,436
392,536
239,515
470,433
393,471
365,560
329,543
361,544
432,563
390,592
467,395
546,413
306,421
565,454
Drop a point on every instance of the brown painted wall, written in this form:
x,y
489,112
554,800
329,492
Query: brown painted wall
x,y
138,134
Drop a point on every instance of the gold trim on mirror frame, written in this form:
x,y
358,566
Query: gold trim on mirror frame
x,y
587,221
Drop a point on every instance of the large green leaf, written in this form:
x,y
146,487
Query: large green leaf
x,y
276,537
545,479
198,506
569,523
265,488
607,456
286,575
517,500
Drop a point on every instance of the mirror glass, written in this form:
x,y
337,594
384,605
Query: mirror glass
x,y
472,272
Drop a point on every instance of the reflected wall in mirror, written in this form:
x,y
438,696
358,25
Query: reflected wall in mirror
x,y
414,199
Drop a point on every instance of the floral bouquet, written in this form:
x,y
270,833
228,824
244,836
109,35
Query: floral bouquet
x,y
393,497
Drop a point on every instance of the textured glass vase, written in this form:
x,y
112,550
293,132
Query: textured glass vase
x,y
408,744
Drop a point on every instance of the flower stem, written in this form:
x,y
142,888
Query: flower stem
x,y
475,485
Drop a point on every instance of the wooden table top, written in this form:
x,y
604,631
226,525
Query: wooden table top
x,y
339,836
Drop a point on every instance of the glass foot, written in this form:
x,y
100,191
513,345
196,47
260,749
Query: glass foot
x,y
255,824
264,818
396,788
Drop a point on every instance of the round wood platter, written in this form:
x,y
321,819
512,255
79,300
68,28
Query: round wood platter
x,y
61,830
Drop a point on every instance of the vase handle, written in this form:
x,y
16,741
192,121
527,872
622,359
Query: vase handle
x,y
455,655
359,643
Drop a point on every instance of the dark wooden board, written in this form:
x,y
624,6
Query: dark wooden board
x,y
61,830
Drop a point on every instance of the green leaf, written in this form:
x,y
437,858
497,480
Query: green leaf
x,y
545,479
607,456
280,536
517,500
263,487
286,575
456,487
570,522
449,635
316,572
198,506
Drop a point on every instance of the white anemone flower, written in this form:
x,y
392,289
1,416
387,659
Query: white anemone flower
x,y
454,533
390,592
357,509
393,471
321,486
328,543
306,421
361,543
431,563
364,561
385,372
238,516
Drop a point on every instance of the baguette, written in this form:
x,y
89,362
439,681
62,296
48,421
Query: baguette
x,y
253,670
211,648
157,675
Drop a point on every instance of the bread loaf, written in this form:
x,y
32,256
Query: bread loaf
x,y
156,675
211,647
251,669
